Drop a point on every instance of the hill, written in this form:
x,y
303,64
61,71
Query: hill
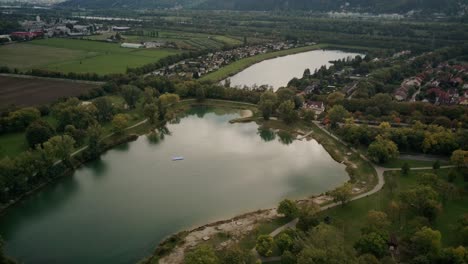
x,y
374,6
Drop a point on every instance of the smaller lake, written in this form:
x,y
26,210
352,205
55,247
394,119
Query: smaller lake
x,y
279,71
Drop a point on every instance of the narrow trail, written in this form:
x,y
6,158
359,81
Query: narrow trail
x,y
380,183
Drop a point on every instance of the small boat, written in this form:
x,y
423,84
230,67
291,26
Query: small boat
x,y
177,158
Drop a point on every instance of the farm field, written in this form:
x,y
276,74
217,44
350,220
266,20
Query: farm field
x,y
183,40
37,91
80,56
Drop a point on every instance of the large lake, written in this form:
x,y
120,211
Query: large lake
x,y
117,209
279,71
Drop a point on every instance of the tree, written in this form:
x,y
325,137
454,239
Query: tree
x,y
288,258
285,94
372,243
60,147
436,165
151,112
264,245
20,119
368,259
287,112
94,135
234,255
405,169
382,150
119,123
376,221
325,244
267,103
342,194
426,242
306,73
335,98
131,94
337,114
39,132
201,255
459,158
421,200
284,242
200,93
308,217
308,115
288,208
105,109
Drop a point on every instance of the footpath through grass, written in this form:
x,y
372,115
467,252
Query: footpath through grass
x,y
351,217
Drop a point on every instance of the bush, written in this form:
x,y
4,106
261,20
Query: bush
x,y
265,245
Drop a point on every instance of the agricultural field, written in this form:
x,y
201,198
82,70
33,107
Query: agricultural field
x,y
80,56
183,40
38,91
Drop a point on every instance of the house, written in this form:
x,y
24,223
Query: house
x,y
26,35
132,45
152,45
317,106
463,101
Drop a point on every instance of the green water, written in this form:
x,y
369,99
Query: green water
x,y
116,209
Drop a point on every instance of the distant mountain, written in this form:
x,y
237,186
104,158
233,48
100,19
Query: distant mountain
x,y
375,6
378,6
97,4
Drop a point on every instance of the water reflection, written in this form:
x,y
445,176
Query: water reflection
x,y
138,195
285,137
266,134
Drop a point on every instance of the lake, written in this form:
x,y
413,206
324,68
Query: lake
x,y
117,209
279,71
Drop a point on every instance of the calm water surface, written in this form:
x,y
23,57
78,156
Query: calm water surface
x,y
279,71
117,209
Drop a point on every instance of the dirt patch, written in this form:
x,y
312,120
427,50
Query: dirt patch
x,y
237,227
37,91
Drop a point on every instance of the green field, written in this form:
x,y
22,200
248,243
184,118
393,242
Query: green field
x,y
81,56
351,217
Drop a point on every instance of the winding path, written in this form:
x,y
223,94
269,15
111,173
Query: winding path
x,y
380,183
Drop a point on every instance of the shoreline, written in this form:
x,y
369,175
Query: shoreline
x,y
257,59
215,227
273,55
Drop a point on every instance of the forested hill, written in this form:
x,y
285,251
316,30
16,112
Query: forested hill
x,y
374,6
98,4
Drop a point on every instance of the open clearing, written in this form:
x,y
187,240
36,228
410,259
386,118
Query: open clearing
x,y
80,56
37,91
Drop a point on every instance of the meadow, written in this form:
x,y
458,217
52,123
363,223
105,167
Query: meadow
x,y
80,56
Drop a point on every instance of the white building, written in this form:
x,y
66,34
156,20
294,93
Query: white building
x,y
132,45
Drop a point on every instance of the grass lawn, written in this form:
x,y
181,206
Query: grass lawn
x,y
81,56
351,217
398,163
12,144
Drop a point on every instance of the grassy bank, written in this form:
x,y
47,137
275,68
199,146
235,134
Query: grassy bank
x,y
351,217
239,65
